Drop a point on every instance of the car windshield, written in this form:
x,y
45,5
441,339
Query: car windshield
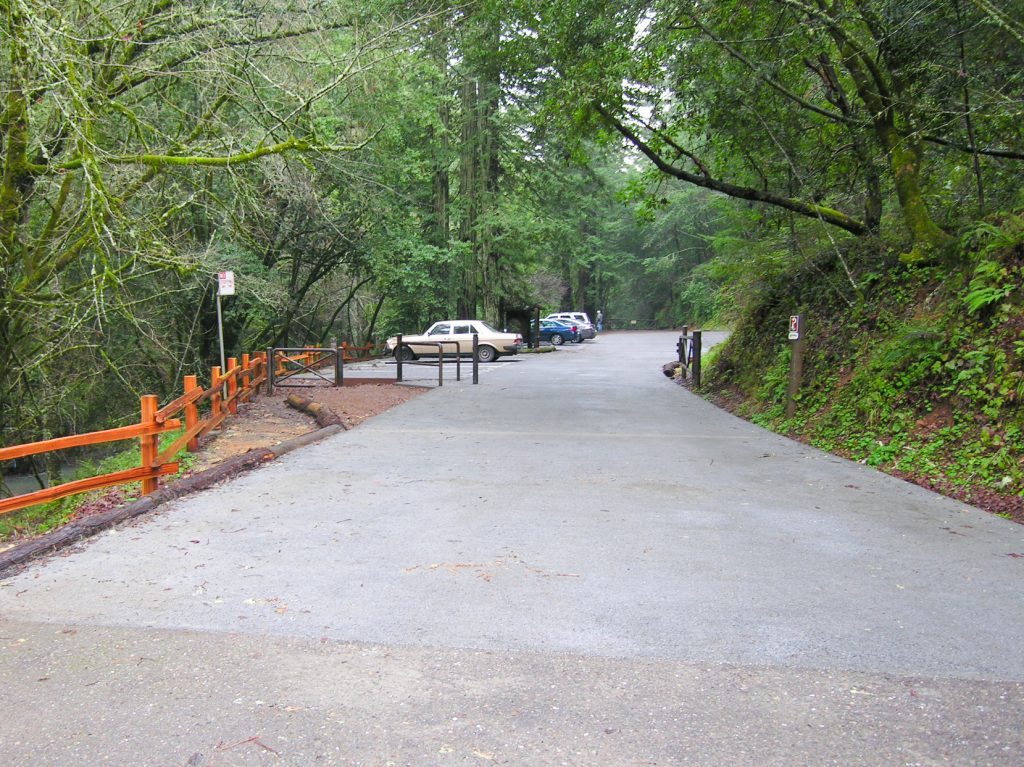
x,y
487,327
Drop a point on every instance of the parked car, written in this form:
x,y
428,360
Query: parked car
x,y
491,343
557,332
579,319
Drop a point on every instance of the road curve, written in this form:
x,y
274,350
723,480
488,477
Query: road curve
x,y
575,562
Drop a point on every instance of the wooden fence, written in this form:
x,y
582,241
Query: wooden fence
x,y
239,383
362,353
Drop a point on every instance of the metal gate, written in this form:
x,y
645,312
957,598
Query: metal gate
x,y
284,363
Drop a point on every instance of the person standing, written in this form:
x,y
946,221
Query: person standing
x,y
600,320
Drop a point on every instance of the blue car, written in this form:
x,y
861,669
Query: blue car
x,y
557,333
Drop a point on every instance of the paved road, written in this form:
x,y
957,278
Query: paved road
x,y
574,563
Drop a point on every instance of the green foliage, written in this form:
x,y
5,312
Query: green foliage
x,y
989,286
923,375
772,393
130,132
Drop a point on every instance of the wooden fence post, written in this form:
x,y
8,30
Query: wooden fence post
x,y
246,378
216,383
233,386
149,442
191,412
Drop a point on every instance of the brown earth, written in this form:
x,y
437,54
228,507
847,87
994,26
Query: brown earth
x,y
268,421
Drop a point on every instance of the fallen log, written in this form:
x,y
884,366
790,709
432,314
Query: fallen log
x,y
324,415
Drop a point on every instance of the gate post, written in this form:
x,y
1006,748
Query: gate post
x,y
476,357
269,362
696,359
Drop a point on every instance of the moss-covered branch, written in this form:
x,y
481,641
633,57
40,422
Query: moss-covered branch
x,y
823,213
221,161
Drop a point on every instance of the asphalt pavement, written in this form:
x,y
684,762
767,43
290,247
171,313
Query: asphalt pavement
x,y
576,562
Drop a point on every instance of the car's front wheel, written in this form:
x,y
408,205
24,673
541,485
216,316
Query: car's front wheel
x,y
404,353
557,339
486,353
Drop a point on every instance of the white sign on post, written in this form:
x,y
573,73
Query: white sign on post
x,y
226,283
794,327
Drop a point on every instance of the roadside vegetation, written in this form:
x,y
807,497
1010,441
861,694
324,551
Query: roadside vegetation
x,y
920,375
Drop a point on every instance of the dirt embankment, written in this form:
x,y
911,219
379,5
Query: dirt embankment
x,y
268,421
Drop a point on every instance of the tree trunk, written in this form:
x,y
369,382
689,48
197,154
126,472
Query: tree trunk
x,y
905,160
468,189
439,231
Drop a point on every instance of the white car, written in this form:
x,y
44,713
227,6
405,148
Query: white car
x,y
579,319
491,343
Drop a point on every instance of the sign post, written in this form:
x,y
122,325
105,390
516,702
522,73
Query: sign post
x,y
797,332
225,287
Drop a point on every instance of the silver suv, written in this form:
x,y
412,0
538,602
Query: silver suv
x,y
579,319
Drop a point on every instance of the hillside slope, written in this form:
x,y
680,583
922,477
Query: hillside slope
x,y
918,371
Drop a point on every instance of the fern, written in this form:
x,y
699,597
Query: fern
x,y
987,286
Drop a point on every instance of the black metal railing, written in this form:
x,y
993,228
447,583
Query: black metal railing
x,y
688,348
284,363
441,346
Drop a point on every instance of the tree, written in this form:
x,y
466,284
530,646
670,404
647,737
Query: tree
x,y
115,117
815,108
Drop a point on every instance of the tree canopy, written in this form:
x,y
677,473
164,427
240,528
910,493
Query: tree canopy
x,y
366,167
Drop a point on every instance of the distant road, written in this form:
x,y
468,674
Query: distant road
x,y
576,562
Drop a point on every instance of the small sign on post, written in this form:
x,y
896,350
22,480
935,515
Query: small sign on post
x,y
225,287
797,330
225,283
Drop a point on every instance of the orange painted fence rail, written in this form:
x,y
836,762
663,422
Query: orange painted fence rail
x,y
239,383
362,353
